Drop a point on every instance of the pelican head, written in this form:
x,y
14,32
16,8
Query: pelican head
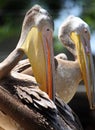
x,y
74,33
36,42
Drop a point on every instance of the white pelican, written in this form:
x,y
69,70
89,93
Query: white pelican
x,y
75,36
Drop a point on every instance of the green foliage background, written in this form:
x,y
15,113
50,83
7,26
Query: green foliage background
x,y
12,13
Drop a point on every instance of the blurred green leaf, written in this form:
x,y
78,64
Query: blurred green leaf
x,y
12,13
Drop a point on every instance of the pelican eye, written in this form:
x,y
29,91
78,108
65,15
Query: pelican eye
x,y
47,29
85,30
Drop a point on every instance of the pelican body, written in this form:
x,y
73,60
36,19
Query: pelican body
x,y
68,76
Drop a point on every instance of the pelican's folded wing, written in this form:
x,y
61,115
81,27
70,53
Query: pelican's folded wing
x,y
68,115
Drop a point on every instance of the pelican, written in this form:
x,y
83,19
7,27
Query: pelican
x,y
20,96
74,34
37,29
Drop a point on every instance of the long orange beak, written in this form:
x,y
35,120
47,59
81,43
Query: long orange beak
x,y
39,49
86,65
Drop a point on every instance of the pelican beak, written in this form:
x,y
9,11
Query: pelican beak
x,y
86,65
39,49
